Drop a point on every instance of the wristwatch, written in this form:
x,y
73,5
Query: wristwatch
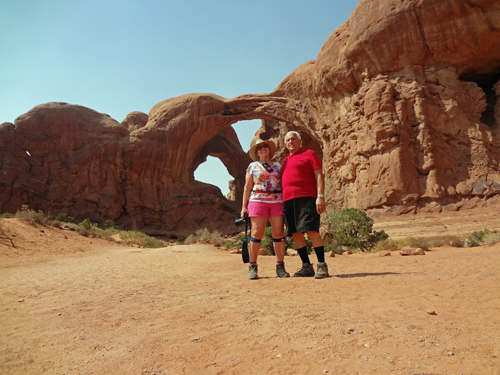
x,y
321,196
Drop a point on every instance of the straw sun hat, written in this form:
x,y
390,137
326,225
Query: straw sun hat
x,y
253,153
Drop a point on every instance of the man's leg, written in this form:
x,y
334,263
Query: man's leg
x,y
307,269
319,249
317,242
300,245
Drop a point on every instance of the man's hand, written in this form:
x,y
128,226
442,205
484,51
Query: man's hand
x,y
320,205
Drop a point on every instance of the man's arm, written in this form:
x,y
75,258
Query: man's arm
x,y
320,185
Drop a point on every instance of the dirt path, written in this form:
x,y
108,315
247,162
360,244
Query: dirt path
x,y
191,310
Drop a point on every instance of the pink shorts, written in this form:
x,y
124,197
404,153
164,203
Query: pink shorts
x,y
262,209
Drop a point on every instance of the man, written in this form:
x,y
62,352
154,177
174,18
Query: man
x,y
303,185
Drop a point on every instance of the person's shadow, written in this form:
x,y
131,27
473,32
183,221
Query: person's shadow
x,y
347,276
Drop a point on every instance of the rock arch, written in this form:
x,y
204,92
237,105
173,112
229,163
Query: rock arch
x,y
402,103
85,164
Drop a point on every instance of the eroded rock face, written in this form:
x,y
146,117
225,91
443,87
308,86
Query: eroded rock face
x,y
86,164
135,120
402,104
406,94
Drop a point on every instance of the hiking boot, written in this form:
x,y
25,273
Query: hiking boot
x,y
280,270
307,270
321,271
252,272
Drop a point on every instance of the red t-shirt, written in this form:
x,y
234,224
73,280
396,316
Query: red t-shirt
x,y
298,175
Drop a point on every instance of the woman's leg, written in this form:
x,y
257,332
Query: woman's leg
x,y
278,231
258,227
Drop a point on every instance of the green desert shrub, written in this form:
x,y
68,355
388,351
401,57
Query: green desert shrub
x,y
352,229
452,241
415,242
387,245
31,216
6,215
109,224
492,238
64,218
476,238
86,224
140,239
267,241
205,236
482,237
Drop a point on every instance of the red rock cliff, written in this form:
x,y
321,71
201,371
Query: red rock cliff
x,y
402,104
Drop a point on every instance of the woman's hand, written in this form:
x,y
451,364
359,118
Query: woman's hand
x,y
244,210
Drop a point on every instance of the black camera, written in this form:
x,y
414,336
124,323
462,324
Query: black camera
x,y
242,221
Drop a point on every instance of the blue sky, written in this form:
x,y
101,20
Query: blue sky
x,y
122,56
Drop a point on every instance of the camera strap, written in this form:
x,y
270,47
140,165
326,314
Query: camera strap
x,y
244,247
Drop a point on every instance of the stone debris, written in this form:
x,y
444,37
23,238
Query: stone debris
x,y
292,253
411,251
406,251
347,253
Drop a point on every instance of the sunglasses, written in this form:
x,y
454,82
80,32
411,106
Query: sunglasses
x,y
261,147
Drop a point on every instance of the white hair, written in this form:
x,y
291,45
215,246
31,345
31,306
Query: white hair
x,y
293,132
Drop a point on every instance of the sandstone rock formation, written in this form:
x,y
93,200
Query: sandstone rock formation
x,y
135,120
402,104
406,104
71,159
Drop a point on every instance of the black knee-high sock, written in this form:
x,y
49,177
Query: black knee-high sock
x,y
303,255
320,253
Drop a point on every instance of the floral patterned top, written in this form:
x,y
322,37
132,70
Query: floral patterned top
x,y
264,183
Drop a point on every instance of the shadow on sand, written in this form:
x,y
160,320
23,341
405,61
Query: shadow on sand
x,y
347,276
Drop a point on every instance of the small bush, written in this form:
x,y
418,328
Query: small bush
x,y
87,224
181,240
414,242
482,237
141,239
31,216
476,238
204,236
267,241
492,239
109,224
387,245
56,224
83,231
64,218
6,215
330,245
452,241
351,228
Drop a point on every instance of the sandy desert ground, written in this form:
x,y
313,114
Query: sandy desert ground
x,y
77,305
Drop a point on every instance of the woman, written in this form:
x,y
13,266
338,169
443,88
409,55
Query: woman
x,y
263,200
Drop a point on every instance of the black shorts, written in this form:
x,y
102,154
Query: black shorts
x,y
301,215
